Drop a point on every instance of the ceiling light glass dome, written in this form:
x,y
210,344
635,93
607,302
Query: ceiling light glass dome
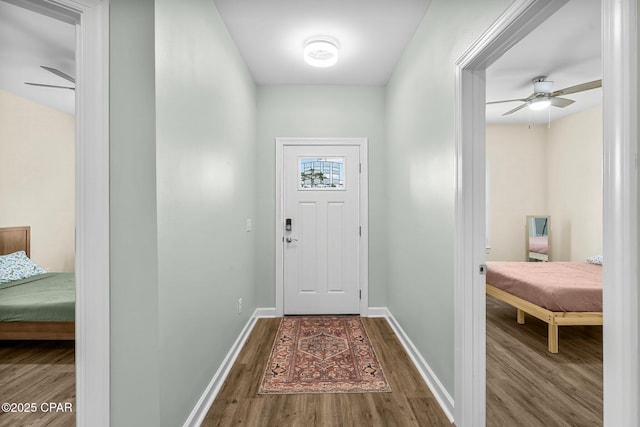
x,y
321,51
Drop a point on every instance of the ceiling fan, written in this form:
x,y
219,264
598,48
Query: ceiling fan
x,y
57,73
544,96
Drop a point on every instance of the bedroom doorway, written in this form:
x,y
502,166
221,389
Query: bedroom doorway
x,y
546,175
619,206
92,355
38,215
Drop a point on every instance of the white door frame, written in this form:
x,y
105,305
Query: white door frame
x,y
364,214
620,279
92,201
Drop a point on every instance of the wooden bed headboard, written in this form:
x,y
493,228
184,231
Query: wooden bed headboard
x,y
13,239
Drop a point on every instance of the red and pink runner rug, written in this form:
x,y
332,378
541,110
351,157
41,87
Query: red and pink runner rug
x,y
322,354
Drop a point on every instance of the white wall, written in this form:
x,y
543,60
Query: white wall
x,y
321,111
575,185
554,171
420,190
516,158
37,169
206,190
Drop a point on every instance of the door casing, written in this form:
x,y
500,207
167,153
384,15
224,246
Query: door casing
x,y
362,143
91,18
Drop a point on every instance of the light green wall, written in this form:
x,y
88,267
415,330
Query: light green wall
x,y
320,111
134,278
206,118
420,157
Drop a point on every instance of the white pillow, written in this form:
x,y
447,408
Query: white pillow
x,y
17,266
596,259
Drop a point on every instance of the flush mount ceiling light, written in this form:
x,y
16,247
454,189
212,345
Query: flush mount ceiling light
x,y
321,51
540,103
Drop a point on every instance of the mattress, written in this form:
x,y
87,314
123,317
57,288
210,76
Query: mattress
x,y
48,297
556,286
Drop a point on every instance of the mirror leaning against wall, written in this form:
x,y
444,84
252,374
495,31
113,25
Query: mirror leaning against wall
x,y
537,239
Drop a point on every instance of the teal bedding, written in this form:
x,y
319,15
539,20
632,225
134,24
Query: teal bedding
x,y
48,297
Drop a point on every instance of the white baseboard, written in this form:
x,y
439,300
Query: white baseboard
x,y
206,400
378,312
441,394
265,312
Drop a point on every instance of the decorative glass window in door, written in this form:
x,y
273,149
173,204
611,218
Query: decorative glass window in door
x,y
321,173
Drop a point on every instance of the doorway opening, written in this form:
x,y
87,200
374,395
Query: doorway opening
x,y
619,206
37,219
91,21
545,170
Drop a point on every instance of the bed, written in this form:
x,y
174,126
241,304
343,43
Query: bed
x,y
558,293
41,307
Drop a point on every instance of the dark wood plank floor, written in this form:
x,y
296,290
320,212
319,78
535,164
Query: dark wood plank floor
x,y
37,372
528,386
409,404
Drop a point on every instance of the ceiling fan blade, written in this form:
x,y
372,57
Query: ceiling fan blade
x,y
515,109
59,73
54,86
507,100
561,102
578,88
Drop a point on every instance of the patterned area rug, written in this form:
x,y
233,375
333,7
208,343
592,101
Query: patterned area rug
x,y
322,354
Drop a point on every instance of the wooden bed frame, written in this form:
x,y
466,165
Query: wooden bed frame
x,y
13,239
553,318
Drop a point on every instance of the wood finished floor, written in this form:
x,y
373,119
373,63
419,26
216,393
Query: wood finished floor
x,y
528,386
37,372
409,404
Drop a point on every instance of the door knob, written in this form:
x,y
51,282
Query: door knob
x,y
289,240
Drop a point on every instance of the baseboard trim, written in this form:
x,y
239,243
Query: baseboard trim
x,y
439,391
265,312
206,400
378,312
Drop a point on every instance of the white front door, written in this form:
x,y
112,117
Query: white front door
x,y
321,190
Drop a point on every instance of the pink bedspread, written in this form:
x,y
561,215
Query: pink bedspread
x,y
538,244
556,286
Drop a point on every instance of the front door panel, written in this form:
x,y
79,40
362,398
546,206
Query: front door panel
x,y
321,251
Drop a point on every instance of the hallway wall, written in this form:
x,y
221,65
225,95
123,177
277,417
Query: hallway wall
x,y
320,111
420,158
206,118
134,323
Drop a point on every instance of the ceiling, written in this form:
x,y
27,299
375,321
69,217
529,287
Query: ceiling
x,y
29,40
566,48
372,35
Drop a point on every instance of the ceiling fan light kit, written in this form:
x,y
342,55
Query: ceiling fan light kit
x,y
537,104
543,95
321,51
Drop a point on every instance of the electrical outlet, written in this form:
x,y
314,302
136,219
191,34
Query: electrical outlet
x,y
249,225
239,305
